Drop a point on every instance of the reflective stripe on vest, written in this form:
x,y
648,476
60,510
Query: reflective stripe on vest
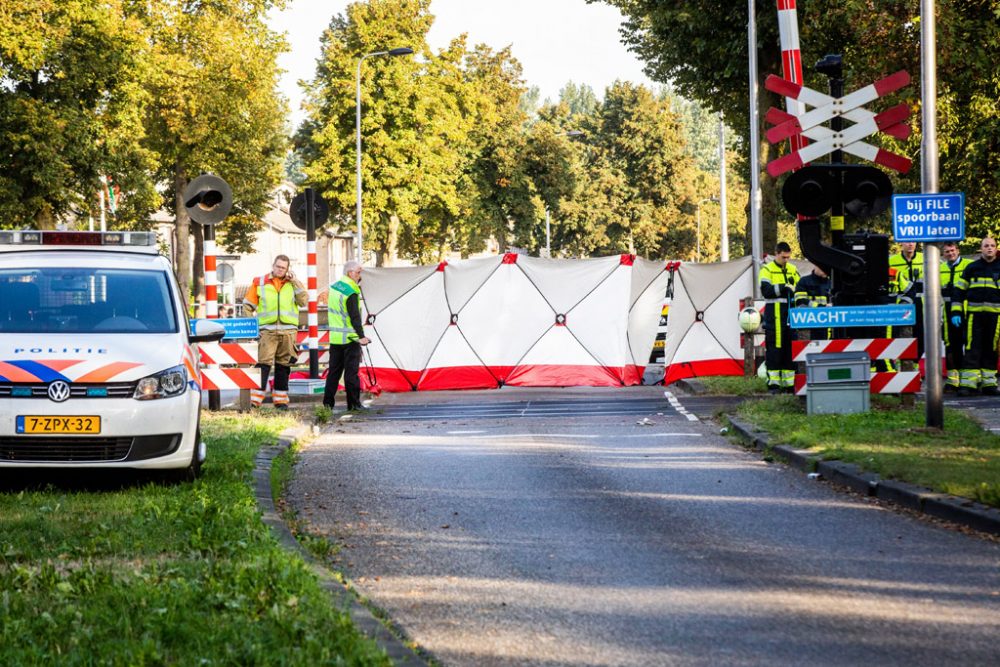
x,y
341,330
274,306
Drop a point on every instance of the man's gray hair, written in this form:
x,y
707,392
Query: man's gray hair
x,y
351,265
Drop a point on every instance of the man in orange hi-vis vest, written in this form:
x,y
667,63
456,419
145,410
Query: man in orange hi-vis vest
x,y
275,299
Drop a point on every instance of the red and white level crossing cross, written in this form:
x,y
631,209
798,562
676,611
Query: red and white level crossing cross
x,y
866,123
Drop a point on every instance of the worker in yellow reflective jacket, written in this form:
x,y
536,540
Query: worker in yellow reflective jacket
x,y
777,285
909,265
977,296
275,299
952,266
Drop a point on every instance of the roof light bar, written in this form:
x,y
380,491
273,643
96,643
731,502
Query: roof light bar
x,y
73,238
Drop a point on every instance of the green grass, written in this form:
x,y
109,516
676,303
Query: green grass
x,y
892,440
322,414
733,385
153,574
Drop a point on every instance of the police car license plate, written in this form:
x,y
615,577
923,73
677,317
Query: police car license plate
x,y
43,424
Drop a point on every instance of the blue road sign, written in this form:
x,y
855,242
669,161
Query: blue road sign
x,y
929,218
236,327
893,315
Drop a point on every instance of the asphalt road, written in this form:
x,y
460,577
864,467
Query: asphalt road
x,y
549,527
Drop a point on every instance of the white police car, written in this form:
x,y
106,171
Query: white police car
x,y
96,364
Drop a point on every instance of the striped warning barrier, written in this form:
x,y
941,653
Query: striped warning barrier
x,y
903,382
214,355
228,354
303,358
302,336
877,348
230,378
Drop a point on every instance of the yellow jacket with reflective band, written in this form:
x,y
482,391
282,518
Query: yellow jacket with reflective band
x,y
898,283
772,275
341,329
274,306
912,270
978,288
949,277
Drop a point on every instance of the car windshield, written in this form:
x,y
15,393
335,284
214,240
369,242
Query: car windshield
x,y
85,300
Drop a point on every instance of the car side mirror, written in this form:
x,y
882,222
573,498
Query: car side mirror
x,y
206,331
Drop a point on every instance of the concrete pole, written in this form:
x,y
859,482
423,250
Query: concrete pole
x,y
756,230
723,215
357,155
929,183
548,234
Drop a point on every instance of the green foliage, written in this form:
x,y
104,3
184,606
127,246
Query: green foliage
x,y
72,101
322,413
891,440
154,574
216,109
733,385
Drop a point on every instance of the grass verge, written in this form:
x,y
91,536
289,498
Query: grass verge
x,y
733,385
139,573
891,440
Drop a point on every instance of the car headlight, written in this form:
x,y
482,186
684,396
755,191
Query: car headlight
x,y
171,382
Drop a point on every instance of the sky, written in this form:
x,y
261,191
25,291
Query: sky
x,y
556,41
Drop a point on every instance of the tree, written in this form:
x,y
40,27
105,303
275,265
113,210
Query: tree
x,y
215,109
442,137
580,99
72,99
394,128
640,185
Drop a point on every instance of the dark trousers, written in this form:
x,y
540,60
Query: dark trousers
x,y
281,374
980,362
954,350
344,360
778,346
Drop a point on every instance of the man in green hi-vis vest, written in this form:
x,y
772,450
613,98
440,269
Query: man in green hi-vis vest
x,y
346,337
275,299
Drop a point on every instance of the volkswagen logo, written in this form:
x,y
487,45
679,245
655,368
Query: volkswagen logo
x,y
59,391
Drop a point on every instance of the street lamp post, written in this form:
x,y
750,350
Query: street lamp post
x,y
698,217
402,51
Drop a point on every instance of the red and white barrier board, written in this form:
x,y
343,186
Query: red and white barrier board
x,y
230,378
229,354
903,382
877,348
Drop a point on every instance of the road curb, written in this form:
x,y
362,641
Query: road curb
x,y
917,498
366,622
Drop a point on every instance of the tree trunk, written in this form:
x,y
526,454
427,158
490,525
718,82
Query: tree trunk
x,y
182,252
44,218
198,268
391,241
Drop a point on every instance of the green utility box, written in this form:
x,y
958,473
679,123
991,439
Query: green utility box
x,y
838,383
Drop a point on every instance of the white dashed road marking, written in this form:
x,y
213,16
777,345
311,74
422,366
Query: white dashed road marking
x,y
676,405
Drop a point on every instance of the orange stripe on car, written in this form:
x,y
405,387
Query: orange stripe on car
x,y
105,373
15,374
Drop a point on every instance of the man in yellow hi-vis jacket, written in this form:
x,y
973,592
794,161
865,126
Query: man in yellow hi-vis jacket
x,y
777,285
275,299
